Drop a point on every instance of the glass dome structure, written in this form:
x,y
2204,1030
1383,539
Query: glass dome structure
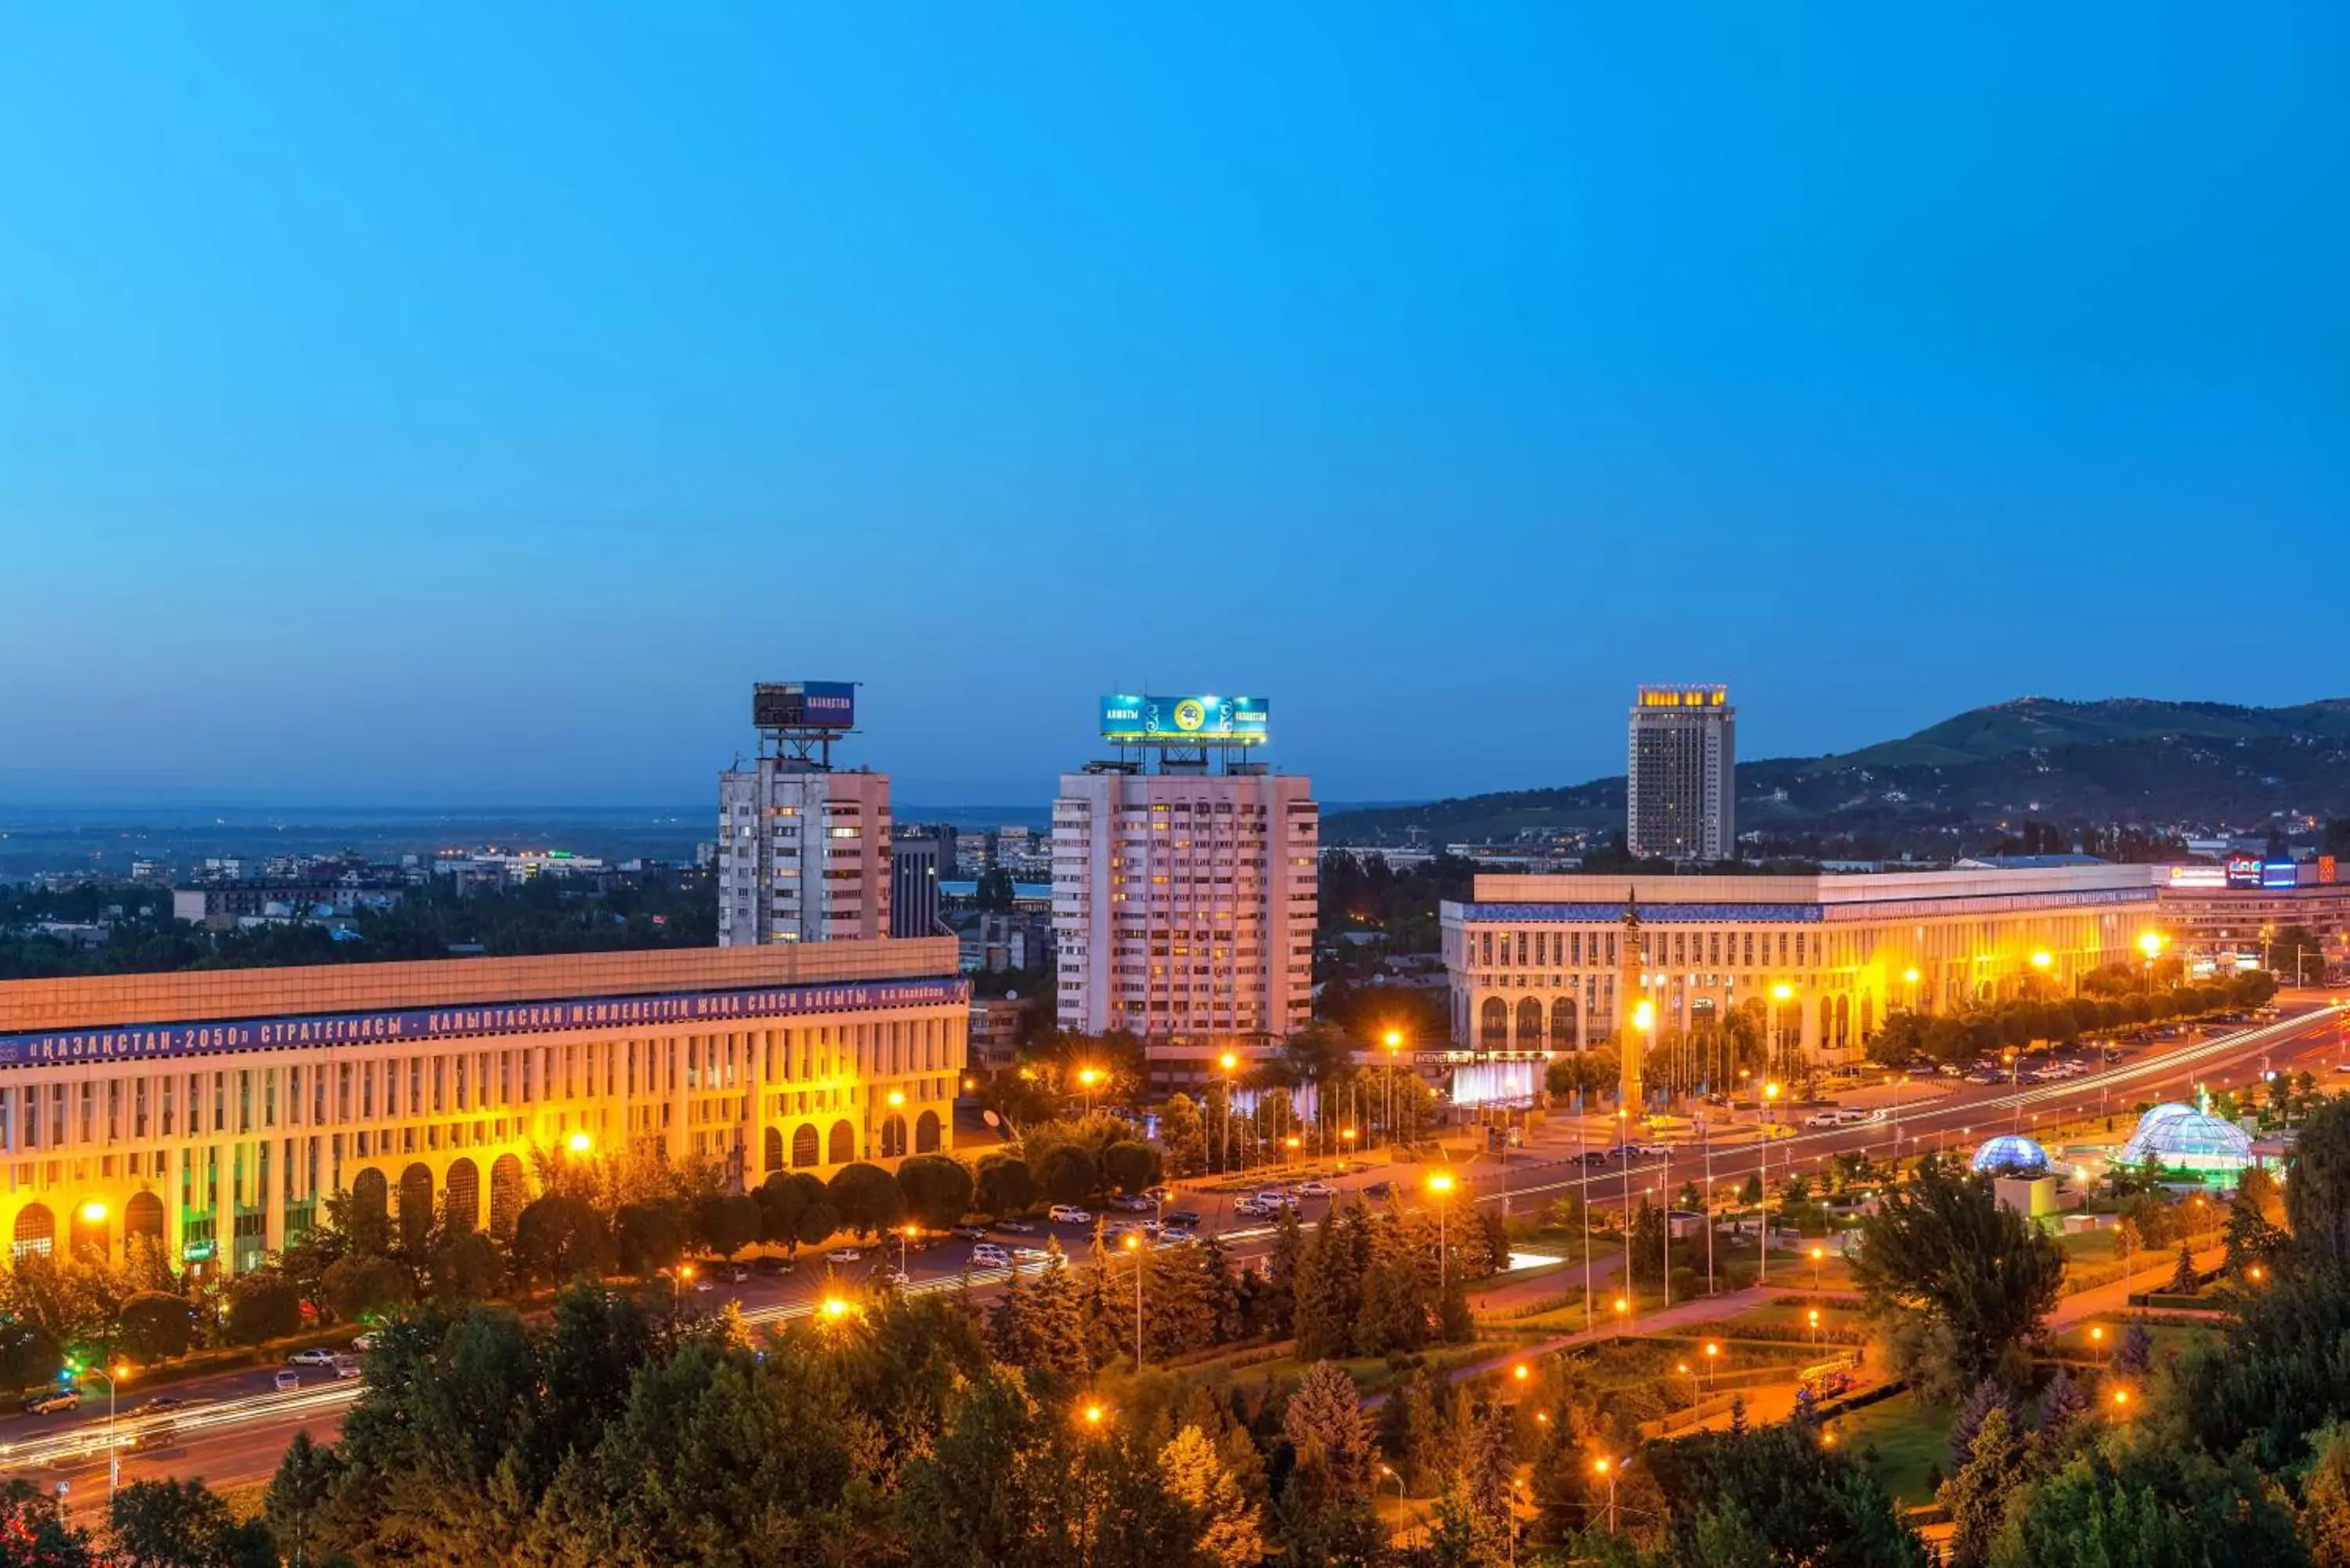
x,y
2010,1154
2187,1139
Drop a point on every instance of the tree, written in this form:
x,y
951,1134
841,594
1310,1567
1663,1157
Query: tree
x,y
28,1355
2325,1498
1941,1249
366,1287
2184,1279
866,1198
1326,1423
728,1222
937,1188
467,1266
1183,1134
1231,1534
782,1198
183,1524
1129,1166
1004,1186
559,1238
1976,1494
650,1235
1781,1497
262,1305
1487,1468
2297,955
2317,1195
154,1327
2138,1497
33,1534
297,1493
1988,1397
1067,1174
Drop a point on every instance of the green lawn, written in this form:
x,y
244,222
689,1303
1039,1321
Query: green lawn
x,y
1908,1438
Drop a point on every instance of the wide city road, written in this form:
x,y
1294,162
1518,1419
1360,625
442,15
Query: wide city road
x,y
231,1427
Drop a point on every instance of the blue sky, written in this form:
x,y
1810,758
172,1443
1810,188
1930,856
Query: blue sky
x,y
466,404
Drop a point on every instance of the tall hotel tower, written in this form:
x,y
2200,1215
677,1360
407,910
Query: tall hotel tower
x,y
1681,793
1185,885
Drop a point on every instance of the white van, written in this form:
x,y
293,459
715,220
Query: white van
x,y
1068,1214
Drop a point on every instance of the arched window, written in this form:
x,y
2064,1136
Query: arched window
x,y
771,1150
36,1230
143,1216
1494,1024
87,1237
508,1193
1843,1021
369,1191
1562,1023
804,1147
844,1143
926,1134
893,1136
415,1206
1529,1025
462,1200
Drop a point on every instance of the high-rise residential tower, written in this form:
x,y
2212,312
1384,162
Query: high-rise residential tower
x,y
1185,885
1681,793
802,849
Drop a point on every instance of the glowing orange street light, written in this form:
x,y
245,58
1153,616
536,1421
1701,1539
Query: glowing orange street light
x,y
2042,959
1093,1415
897,1098
1228,1061
579,1142
2121,1399
1440,1184
1606,1469
1910,975
93,1212
1520,1372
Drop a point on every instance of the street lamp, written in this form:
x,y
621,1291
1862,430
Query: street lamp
x,y
1228,1062
1712,1351
2150,943
1605,1469
1762,1271
579,1142
1814,1315
1087,1078
1134,1245
1819,1256
1440,1185
836,1308
1394,1043
1779,993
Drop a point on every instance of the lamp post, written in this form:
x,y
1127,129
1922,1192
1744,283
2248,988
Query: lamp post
x,y
2150,943
113,1461
1712,1352
1779,993
1228,1062
1762,1269
1440,1186
1394,1043
579,1142
1087,1078
1605,1469
1134,1246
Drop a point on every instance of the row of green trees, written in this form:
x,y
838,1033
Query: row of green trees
x,y
2014,1024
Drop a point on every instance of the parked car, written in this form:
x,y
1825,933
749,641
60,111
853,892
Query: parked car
x,y
1130,1203
52,1401
363,1344
1250,1209
1316,1190
845,1255
1016,1227
988,1255
1068,1214
317,1355
971,1232
1158,1194
772,1265
1375,1189
1193,1216
703,1286
738,1275
894,1278
288,1380
348,1366
1276,1198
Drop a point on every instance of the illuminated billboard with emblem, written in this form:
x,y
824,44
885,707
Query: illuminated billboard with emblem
x,y
2243,870
1204,721
803,705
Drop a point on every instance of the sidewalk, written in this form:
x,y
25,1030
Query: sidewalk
x,y
2115,1297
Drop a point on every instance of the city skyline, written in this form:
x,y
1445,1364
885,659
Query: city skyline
x,y
448,418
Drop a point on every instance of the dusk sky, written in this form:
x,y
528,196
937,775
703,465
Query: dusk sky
x,y
466,404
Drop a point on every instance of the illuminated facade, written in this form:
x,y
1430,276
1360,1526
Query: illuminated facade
x,y
168,1103
1681,793
1539,963
802,854
1184,903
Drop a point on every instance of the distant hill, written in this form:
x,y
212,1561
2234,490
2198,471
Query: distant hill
x,y
2120,761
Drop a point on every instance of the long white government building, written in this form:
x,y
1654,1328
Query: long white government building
x,y
224,1105
1534,960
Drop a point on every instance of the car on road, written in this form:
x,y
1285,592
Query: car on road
x,y
363,1344
1174,1235
894,1278
1252,1208
988,1255
1068,1214
1595,1156
1316,1190
317,1355
1653,1151
161,1404
1276,1198
1016,1227
1852,1115
348,1366
971,1232
845,1255
1378,1190
1821,1120
1132,1203
1192,1216
52,1402
770,1265
703,1286
738,1275
288,1380
1039,1255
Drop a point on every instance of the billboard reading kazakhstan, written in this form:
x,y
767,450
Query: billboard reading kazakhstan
x,y
1184,721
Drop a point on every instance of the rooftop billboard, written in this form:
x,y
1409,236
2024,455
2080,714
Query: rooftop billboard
x,y
803,705
1184,721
